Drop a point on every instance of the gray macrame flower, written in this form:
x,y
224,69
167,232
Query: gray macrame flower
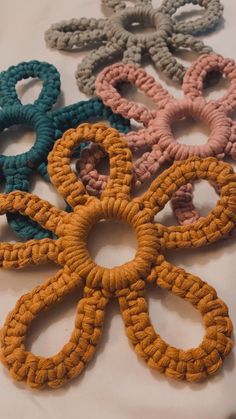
x,y
114,40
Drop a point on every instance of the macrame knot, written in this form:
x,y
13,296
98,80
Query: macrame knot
x,y
48,124
118,39
126,282
155,141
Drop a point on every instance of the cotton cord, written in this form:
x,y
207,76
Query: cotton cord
x,y
48,125
156,139
114,40
126,282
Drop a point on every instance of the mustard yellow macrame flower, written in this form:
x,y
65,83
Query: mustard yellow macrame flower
x,y
126,282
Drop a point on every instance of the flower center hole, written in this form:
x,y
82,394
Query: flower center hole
x,y
16,139
139,25
190,132
112,243
29,90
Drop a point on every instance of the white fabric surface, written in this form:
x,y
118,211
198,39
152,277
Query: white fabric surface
x,y
116,383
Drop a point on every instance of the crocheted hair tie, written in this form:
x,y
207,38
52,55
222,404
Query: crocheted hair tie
x,y
116,40
48,125
126,282
157,136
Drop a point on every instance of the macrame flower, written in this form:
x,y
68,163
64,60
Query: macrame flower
x,y
126,282
49,124
156,140
114,39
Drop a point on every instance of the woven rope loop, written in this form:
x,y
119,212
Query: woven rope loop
x,y
126,282
146,16
48,125
156,138
114,39
47,73
212,15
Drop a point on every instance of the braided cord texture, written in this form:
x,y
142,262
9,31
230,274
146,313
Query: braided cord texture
x,y
116,41
49,125
126,282
155,140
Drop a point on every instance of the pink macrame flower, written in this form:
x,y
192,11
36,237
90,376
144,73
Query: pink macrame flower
x,y
156,138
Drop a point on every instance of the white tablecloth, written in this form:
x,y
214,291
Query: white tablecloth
x,y
116,383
